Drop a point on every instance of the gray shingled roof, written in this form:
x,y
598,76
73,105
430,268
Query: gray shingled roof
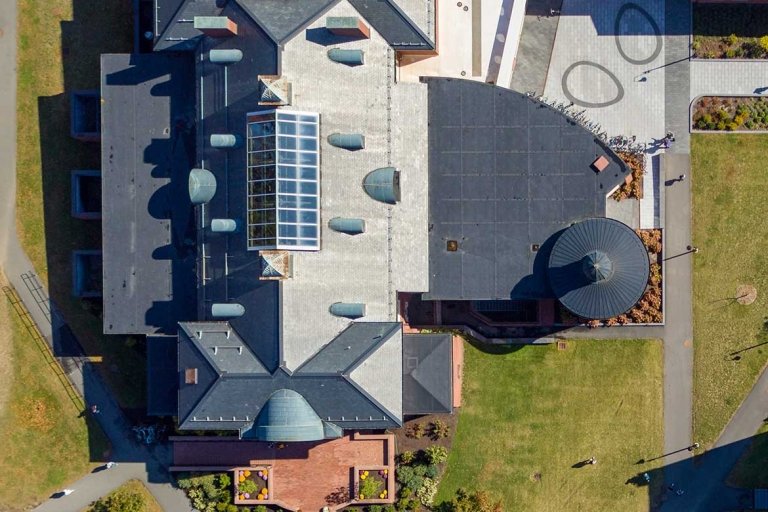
x,y
230,395
281,19
427,373
599,268
505,172
393,24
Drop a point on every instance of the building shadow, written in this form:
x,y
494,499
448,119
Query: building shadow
x,y
93,29
704,482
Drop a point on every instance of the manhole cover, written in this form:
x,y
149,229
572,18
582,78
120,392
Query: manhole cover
x,y
561,345
746,294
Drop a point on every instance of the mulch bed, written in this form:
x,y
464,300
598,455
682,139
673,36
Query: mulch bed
x,y
730,113
729,31
405,443
633,189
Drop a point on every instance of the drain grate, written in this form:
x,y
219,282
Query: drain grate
x,y
562,345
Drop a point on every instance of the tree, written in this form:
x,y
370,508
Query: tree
x,y
121,501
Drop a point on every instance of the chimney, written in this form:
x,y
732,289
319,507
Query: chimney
x,y
216,26
190,376
349,26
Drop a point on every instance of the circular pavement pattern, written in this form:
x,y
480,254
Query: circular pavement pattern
x,y
651,22
589,104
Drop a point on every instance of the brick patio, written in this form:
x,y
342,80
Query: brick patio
x,y
307,476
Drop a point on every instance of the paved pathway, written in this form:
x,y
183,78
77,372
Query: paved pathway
x,y
715,77
535,49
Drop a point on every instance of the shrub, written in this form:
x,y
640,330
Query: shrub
x,y
389,508
730,53
374,508
427,492
407,457
732,126
404,474
407,504
439,429
260,508
121,501
720,125
417,430
732,39
431,471
478,501
370,487
436,454
763,42
248,486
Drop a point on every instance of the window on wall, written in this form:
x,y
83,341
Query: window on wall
x,y
283,180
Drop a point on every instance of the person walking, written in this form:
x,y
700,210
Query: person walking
x,y
67,492
95,409
681,177
592,460
111,464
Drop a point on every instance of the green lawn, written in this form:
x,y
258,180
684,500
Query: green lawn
x,y
752,470
729,226
132,491
531,413
46,443
60,42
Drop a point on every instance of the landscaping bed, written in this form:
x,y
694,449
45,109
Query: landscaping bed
x,y
632,189
252,485
372,485
722,31
730,113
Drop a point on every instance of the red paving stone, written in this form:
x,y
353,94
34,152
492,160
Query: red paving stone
x,y
306,475
458,369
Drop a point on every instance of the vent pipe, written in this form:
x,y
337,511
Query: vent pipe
x,y
223,226
348,309
348,57
202,186
225,56
225,140
350,141
227,310
348,226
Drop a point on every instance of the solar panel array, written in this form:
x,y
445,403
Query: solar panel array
x,y
283,180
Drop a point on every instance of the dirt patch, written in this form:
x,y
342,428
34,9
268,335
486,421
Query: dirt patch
x,y
6,349
746,294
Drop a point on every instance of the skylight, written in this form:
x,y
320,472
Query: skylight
x,y
283,180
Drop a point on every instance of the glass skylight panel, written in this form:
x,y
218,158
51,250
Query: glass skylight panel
x,y
283,180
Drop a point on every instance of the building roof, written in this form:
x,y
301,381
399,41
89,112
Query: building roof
x,y
599,268
505,172
281,19
355,387
148,226
427,372
393,24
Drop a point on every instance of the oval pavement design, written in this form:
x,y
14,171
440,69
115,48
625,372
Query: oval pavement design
x,y
651,22
588,104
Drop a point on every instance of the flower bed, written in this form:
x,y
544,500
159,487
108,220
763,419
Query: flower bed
x,y
633,188
730,113
252,485
372,485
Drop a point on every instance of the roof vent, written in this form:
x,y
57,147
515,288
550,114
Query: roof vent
x,y
202,186
225,56
383,185
223,226
348,226
348,309
350,26
348,57
274,90
190,376
215,26
225,140
227,310
350,141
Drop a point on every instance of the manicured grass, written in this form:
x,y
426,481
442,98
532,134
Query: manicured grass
x,y
45,441
129,488
729,180
752,470
60,42
530,414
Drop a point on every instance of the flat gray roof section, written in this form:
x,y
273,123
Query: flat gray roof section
x,y
505,172
162,377
148,228
427,373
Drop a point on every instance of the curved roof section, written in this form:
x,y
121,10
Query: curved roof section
x,y
288,417
598,268
506,173
383,185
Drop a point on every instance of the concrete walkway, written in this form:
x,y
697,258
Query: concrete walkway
x,y
727,78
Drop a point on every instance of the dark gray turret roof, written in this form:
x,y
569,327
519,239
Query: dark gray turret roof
x,y
598,268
